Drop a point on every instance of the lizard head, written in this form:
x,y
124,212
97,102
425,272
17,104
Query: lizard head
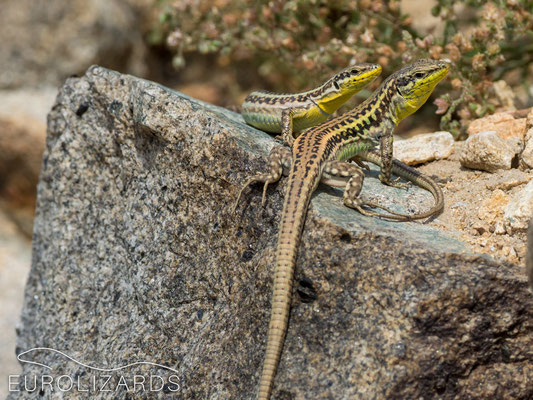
x,y
354,78
413,84
344,84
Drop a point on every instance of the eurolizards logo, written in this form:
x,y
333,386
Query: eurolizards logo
x,y
93,379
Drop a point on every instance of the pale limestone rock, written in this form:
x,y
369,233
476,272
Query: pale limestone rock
x,y
504,124
527,154
423,148
487,151
519,211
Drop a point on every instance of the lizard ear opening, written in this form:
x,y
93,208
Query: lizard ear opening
x,y
336,85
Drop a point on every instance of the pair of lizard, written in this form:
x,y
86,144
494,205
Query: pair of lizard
x,y
319,154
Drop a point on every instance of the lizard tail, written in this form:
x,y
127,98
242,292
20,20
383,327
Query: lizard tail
x,y
411,174
424,182
292,221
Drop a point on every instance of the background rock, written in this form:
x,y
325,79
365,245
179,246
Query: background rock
x,y
487,151
15,257
29,103
138,257
510,179
46,41
527,154
423,148
21,149
504,124
519,211
23,130
43,43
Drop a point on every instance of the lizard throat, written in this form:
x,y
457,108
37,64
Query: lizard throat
x,y
322,111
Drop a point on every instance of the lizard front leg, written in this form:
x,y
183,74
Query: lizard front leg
x,y
386,163
336,173
287,126
279,162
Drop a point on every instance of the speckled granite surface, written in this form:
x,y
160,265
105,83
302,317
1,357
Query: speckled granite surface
x,y
137,257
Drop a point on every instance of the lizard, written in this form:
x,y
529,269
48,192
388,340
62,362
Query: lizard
x,y
289,114
317,155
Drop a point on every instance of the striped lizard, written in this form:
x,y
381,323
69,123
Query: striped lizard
x,y
318,154
290,114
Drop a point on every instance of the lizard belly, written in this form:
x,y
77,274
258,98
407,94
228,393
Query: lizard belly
x,y
264,121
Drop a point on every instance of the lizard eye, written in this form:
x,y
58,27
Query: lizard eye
x,y
419,75
336,85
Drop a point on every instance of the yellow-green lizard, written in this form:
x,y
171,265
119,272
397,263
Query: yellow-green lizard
x,y
290,114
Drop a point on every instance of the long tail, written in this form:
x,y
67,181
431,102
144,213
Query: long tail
x,y
419,179
292,222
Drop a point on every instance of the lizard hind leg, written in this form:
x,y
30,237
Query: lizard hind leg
x,y
279,161
340,171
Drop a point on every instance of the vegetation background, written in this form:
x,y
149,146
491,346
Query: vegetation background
x,y
293,43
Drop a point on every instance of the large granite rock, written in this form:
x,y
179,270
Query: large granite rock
x,y
137,257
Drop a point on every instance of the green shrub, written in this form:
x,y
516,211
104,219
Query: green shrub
x,y
299,41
